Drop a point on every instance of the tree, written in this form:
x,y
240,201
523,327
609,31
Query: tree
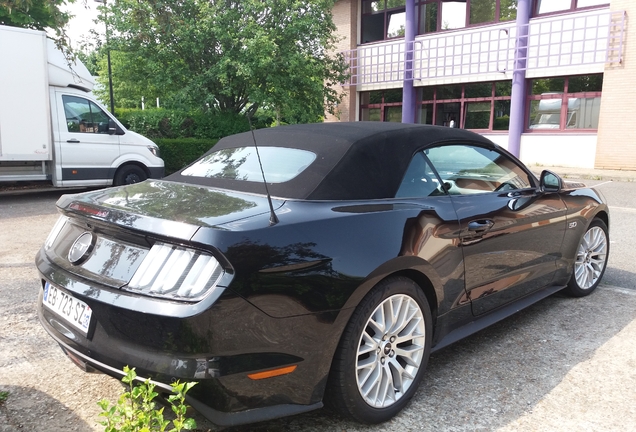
x,y
34,14
232,55
38,15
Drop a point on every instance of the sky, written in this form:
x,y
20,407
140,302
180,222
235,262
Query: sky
x,y
81,24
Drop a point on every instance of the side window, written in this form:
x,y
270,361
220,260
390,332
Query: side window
x,y
467,169
84,116
419,180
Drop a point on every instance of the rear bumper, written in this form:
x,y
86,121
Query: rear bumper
x,y
217,348
219,418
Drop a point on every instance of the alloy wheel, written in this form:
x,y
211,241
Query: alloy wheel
x,y
390,351
590,258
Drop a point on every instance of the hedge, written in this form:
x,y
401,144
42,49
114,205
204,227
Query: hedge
x,y
163,123
178,153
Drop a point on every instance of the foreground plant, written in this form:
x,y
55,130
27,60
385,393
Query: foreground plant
x,y
136,411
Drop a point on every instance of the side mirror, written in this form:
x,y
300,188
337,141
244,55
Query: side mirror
x,y
550,182
113,129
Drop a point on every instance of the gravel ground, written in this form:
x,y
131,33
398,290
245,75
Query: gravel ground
x,y
562,365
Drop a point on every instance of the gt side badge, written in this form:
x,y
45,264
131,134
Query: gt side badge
x,y
572,225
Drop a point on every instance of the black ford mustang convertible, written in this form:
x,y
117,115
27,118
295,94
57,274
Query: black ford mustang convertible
x,y
374,245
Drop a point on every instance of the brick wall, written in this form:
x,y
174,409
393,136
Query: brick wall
x,y
616,146
345,16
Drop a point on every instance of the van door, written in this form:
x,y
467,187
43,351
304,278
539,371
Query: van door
x,y
88,150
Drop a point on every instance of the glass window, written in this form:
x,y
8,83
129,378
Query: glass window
x,y
453,14
547,86
449,92
545,114
588,3
583,113
478,90
477,115
482,11
585,83
565,103
501,119
467,169
419,180
280,164
425,114
381,20
393,114
371,114
396,22
507,10
448,114
84,116
547,6
428,18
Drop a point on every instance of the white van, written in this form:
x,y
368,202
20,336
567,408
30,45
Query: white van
x,y
51,127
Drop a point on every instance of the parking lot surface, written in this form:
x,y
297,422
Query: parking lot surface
x,y
564,364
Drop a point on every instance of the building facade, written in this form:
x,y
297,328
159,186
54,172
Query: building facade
x,y
550,80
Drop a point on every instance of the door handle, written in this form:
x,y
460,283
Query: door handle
x,y
480,225
73,140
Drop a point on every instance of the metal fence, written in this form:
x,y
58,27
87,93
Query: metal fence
x,y
563,41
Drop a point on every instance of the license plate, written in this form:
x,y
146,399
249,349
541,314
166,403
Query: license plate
x,y
72,310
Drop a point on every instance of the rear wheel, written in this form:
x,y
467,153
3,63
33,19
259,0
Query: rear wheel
x,y
591,260
383,353
129,174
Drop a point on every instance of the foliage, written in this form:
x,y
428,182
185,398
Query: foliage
x,y
164,123
39,15
34,14
4,395
179,153
229,56
136,411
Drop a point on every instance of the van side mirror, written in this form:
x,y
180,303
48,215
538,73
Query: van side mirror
x,y
113,128
550,182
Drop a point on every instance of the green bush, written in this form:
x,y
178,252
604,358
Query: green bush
x,y
178,153
163,123
136,411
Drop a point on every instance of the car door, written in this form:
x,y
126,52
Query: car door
x,y
511,232
88,150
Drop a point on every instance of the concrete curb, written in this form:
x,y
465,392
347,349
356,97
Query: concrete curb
x,y
587,173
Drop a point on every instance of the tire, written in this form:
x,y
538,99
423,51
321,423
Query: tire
x,y
371,380
129,174
591,260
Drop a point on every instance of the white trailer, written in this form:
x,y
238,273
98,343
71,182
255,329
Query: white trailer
x,y
53,129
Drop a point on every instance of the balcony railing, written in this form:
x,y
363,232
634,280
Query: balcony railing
x,y
564,41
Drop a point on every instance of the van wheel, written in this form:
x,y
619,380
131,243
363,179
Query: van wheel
x,y
129,174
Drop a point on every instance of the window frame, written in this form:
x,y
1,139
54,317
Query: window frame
x,y
573,7
463,101
386,12
565,96
530,177
382,105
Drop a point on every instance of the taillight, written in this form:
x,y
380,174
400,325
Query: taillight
x,y
176,272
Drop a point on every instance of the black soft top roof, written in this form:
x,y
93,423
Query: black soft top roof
x,y
356,160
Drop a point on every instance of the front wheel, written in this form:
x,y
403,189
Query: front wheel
x,y
383,353
591,260
129,174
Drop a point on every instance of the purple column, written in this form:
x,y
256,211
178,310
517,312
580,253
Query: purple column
x,y
408,93
518,96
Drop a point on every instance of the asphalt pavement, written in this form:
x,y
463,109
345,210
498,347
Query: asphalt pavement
x,y
561,365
